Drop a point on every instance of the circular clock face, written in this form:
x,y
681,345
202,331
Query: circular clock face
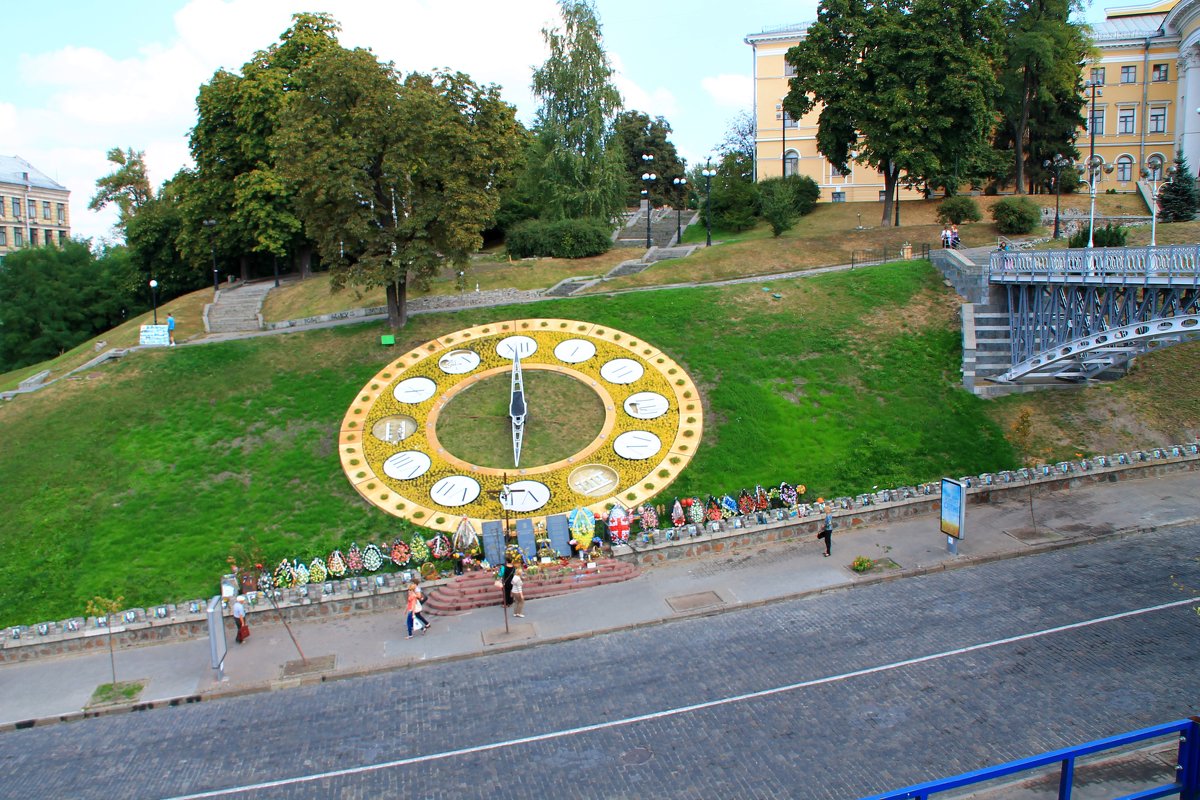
x,y
652,425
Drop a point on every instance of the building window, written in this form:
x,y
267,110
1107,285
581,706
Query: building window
x,y
3,237
32,209
1159,73
33,237
788,122
838,197
1096,124
1125,120
62,214
18,238
1128,74
16,204
1158,120
1124,169
62,238
45,209
883,195
789,69
1098,76
791,163
834,172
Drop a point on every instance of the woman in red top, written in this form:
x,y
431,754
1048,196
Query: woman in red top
x,y
415,597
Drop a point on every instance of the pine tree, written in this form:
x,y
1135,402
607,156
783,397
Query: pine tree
x,y
1178,199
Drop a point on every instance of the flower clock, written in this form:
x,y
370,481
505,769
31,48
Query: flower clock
x,y
646,429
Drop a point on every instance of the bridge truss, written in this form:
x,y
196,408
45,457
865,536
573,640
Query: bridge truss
x,y
1074,314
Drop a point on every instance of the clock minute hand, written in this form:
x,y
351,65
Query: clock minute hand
x,y
516,408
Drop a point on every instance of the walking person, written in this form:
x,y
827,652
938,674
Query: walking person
x,y
239,619
827,532
415,596
171,328
518,591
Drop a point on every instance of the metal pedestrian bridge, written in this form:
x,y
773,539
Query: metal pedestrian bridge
x,y
1074,314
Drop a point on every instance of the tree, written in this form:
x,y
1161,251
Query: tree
x,y
127,186
778,204
1177,201
395,179
153,238
906,87
739,136
55,298
1040,78
581,171
638,135
735,203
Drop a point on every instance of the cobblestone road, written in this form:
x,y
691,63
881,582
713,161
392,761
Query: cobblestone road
x,y
456,728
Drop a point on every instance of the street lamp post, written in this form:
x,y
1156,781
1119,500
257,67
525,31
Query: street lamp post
x,y
211,224
1153,172
1057,164
679,184
154,298
1092,169
647,179
1094,87
708,173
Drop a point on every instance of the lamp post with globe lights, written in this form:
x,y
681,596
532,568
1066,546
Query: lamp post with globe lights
x,y
210,225
1057,165
154,298
708,172
1153,174
680,183
647,179
1089,172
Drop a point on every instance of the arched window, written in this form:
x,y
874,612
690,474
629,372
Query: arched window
x,y
1124,169
1157,174
791,163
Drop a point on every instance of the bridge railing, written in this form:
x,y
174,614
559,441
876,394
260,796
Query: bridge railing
x,y
1108,263
1187,769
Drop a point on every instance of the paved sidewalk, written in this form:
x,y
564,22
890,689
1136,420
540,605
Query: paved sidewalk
x,y
57,689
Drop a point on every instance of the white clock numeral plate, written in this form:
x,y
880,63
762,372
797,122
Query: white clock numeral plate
x,y
394,429
406,465
637,445
646,405
456,490
512,345
527,496
622,371
459,362
574,351
414,390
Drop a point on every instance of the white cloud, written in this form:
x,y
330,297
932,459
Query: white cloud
x,y
656,102
88,101
729,91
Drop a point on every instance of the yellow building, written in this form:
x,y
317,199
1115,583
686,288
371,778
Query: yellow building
x,y
34,209
1147,102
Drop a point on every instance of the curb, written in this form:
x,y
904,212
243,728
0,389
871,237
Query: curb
x,y
220,693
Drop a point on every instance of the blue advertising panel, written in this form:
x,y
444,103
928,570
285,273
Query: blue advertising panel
x,y
954,507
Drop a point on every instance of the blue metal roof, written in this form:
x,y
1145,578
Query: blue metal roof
x,y
13,169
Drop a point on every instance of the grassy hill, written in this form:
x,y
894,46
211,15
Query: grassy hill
x,y
140,478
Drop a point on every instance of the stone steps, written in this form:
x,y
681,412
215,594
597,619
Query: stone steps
x,y
238,309
477,589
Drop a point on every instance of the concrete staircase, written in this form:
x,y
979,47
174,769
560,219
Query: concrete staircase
x,y
237,309
662,228
477,589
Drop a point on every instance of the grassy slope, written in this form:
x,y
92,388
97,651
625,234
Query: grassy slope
x,y
140,482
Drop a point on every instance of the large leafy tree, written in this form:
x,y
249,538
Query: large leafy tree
x,y
904,86
640,135
237,181
1041,103
580,169
127,186
394,178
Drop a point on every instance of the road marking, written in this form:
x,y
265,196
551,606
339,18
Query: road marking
x,y
673,712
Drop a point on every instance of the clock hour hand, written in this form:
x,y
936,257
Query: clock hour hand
x,y
516,408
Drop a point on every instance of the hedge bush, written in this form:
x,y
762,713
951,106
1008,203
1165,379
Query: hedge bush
x,y
1016,215
1108,236
564,238
957,210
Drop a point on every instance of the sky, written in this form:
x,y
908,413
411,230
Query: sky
x,y
125,73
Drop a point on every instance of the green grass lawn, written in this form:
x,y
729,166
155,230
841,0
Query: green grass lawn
x,y
141,481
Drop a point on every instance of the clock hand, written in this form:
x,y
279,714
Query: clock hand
x,y
516,407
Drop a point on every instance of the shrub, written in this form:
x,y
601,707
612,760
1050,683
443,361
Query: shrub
x,y
957,210
805,193
1016,215
778,204
1108,236
564,238
861,564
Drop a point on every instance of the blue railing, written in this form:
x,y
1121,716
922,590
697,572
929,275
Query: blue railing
x,y
1187,769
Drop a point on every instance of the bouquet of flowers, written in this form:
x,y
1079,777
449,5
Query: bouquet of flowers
x,y
336,564
300,573
696,511
439,546
372,558
677,516
761,501
788,494
713,512
649,518
284,576
729,507
317,571
354,559
745,503
400,552
420,550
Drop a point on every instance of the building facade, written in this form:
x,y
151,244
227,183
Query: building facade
x,y
1147,103
35,210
